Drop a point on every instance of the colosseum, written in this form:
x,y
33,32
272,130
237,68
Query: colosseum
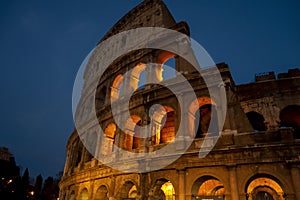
x,y
255,155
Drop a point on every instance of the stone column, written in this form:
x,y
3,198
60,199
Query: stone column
x,y
144,189
91,190
130,84
181,181
111,189
296,180
153,74
233,183
190,124
144,141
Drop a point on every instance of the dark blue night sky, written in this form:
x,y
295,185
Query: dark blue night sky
x,y
44,42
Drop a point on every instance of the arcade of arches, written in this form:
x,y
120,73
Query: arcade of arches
x,y
163,126
255,157
136,78
258,187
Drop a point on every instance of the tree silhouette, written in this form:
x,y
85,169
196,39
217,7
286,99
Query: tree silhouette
x,y
48,192
38,187
25,184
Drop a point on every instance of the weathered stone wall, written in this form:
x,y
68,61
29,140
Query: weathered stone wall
x,y
235,160
244,161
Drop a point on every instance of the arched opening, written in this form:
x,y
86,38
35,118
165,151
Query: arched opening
x,y
290,117
163,130
208,187
116,88
142,80
264,187
167,59
264,196
136,136
127,191
131,136
204,117
109,139
169,71
201,112
138,77
167,133
132,194
102,193
257,121
72,196
163,189
84,195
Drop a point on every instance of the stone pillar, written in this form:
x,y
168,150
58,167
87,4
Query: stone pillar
x,y
111,190
233,183
181,181
296,180
91,190
130,84
190,124
144,189
153,74
144,141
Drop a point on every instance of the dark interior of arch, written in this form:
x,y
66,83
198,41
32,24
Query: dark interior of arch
x,y
290,117
157,193
199,182
257,121
204,116
263,196
124,191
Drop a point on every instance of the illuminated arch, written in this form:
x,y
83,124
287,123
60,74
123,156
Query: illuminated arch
x,y
127,191
131,133
163,117
84,195
263,186
101,193
132,192
200,121
136,136
166,58
256,120
109,139
162,189
208,187
138,76
116,88
290,117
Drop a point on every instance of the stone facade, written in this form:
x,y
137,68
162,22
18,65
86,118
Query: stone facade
x,y
256,155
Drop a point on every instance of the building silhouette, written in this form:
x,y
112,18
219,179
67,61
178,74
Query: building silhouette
x,y
257,152
9,174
